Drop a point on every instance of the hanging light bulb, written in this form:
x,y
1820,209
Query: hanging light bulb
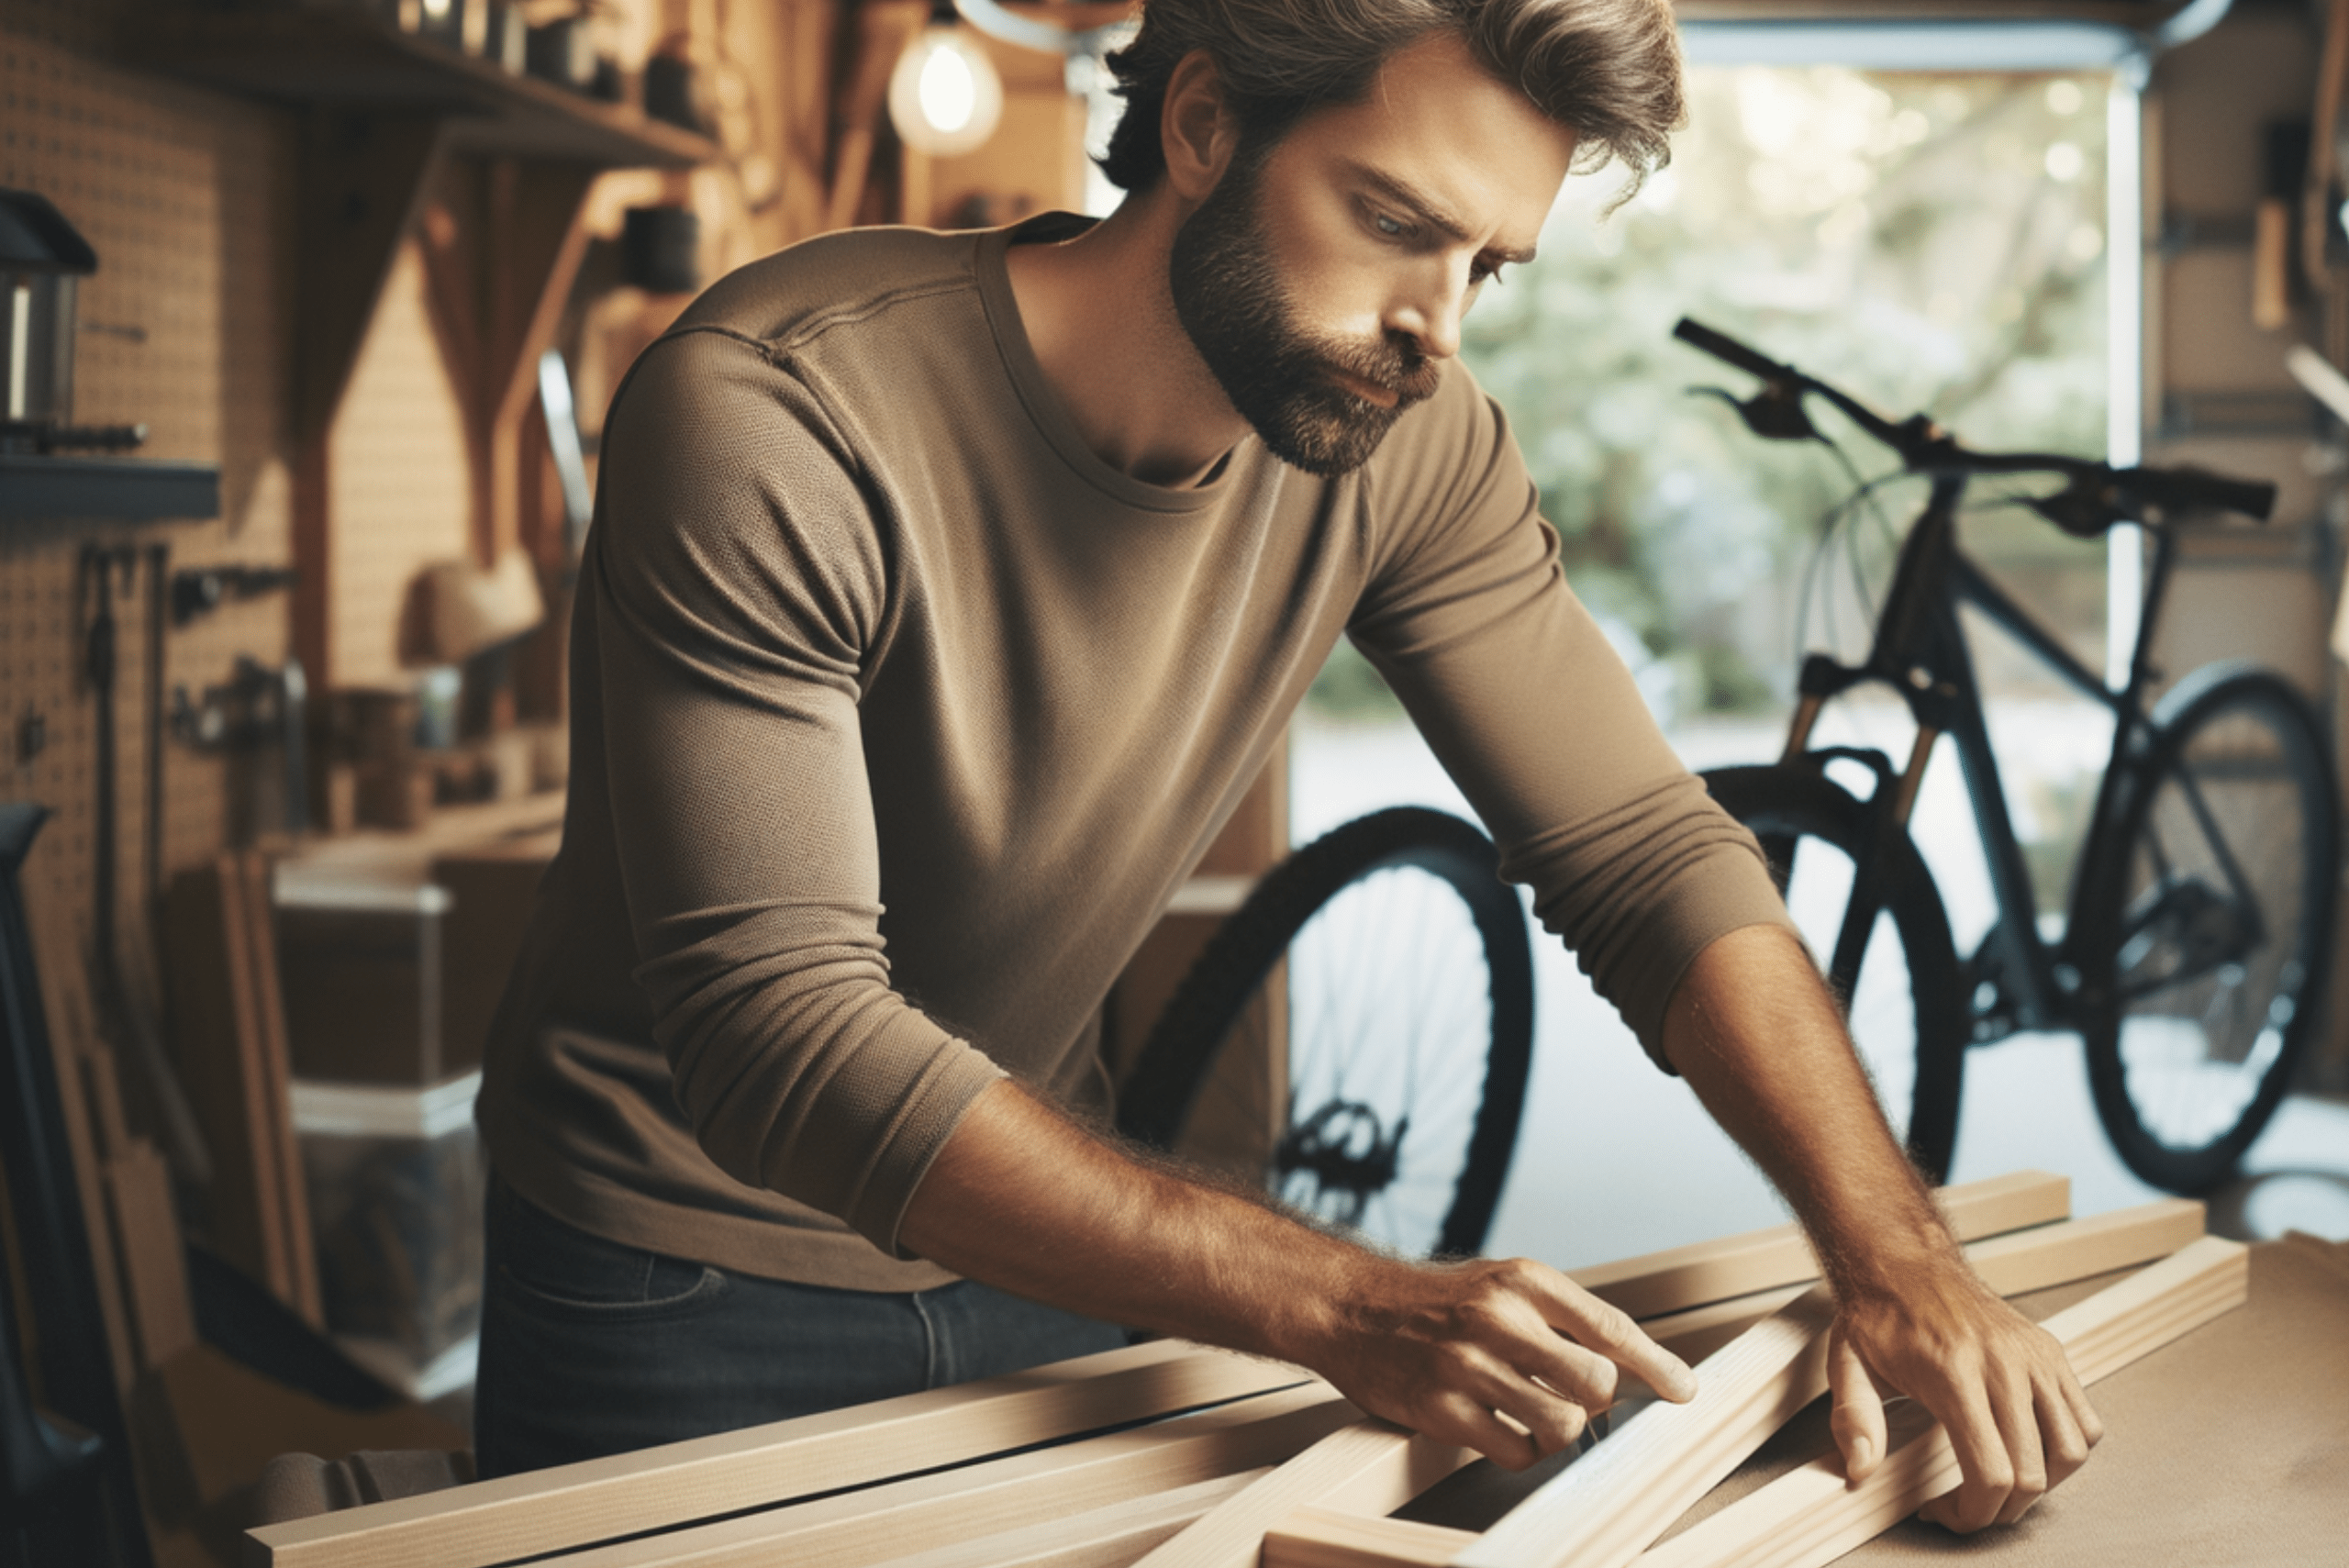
x,y
945,97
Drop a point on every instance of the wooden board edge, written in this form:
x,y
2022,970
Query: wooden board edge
x,y
575,1504
1683,1277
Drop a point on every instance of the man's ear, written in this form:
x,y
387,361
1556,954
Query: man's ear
x,y
1196,129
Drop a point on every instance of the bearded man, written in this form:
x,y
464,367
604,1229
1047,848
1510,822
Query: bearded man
x,y
944,594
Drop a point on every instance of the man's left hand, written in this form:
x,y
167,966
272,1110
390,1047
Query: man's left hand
x,y
1998,1384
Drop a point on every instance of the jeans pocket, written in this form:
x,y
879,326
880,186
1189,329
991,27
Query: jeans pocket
x,y
672,1288
547,1269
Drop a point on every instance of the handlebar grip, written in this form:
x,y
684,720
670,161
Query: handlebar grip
x,y
2198,487
1721,346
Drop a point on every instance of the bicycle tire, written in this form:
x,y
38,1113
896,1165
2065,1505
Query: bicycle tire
x,y
1908,1023
1461,1148
2195,1017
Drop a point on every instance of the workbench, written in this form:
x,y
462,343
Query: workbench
x,y
2229,1444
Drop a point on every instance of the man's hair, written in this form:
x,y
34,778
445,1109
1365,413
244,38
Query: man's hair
x,y
1609,70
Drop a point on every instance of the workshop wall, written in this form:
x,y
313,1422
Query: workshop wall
x,y
185,196
400,472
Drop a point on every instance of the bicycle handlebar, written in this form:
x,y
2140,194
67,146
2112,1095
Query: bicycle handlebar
x,y
1721,346
2097,495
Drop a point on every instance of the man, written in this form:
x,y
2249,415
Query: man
x,y
944,594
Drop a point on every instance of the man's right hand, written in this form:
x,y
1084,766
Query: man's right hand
x,y
1507,1358
1472,1353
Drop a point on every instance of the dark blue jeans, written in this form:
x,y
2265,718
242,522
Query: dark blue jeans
x,y
590,1348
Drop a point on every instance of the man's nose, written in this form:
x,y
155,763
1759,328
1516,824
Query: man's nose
x,y
1429,315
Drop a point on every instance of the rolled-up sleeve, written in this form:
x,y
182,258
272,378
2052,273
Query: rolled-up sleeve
x,y
739,580
1469,619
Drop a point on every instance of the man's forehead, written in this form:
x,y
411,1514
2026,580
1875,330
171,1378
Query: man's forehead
x,y
1440,132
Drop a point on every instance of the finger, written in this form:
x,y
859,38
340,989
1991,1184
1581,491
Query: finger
x,y
2060,1435
1982,1460
1555,1424
1585,1376
1858,1419
1523,1405
2084,1416
1469,1425
1608,1330
2018,1417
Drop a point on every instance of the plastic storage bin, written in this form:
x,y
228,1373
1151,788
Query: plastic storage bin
x,y
395,1179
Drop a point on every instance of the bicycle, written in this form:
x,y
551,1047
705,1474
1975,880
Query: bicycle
x,y
2199,925
1383,973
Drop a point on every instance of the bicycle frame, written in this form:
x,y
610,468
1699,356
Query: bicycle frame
x,y
2022,982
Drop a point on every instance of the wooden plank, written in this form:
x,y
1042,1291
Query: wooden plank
x,y
1369,1467
229,1034
572,1504
1110,1537
2082,1248
2027,1261
290,1211
860,1529
2010,1264
1688,1276
1331,1537
1389,1466
1610,1505
150,1255
211,982
1813,1516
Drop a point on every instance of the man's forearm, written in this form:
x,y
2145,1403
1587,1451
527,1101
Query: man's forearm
x,y
1503,1356
1024,1198
1752,1030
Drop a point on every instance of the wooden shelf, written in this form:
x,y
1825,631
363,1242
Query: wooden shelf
x,y
349,61
106,489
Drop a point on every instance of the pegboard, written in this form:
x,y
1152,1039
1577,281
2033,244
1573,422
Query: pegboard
x,y
186,197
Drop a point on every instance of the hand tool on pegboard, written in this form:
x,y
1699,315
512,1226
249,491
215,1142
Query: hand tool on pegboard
x,y
131,1018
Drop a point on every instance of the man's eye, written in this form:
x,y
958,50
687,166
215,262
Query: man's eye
x,y
1388,224
1481,274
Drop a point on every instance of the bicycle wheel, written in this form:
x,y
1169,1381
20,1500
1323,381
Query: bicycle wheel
x,y
1903,1002
2210,926
1383,973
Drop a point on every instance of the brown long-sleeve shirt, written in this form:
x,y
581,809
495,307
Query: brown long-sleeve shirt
x,y
898,716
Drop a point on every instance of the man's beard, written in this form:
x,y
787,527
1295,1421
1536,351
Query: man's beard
x,y
1279,374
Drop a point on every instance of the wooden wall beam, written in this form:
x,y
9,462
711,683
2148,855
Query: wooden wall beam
x,y
362,178
574,1505
536,240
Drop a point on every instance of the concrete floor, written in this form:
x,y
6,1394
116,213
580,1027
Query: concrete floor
x,y
1615,1158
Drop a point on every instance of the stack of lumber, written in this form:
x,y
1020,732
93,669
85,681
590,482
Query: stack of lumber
x,y
203,1425
228,1032
1175,1456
